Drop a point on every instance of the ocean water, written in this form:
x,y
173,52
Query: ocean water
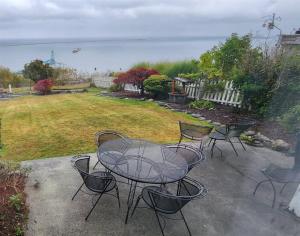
x,y
103,54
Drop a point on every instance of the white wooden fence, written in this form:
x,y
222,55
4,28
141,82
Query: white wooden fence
x,y
102,80
229,96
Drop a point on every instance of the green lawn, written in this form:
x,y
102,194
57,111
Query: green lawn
x,y
57,125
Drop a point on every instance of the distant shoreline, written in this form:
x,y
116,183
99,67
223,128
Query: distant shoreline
x,y
44,41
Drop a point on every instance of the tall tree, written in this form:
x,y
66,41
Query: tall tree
x,y
37,70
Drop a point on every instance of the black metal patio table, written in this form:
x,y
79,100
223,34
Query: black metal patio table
x,y
141,161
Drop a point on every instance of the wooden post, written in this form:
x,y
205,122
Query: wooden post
x,y
173,87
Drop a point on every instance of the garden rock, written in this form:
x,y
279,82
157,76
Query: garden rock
x,y
250,133
280,145
216,123
195,115
262,138
150,100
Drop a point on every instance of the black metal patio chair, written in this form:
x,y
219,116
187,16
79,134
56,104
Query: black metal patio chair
x,y
276,174
98,182
165,203
192,155
194,132
109,135
228,133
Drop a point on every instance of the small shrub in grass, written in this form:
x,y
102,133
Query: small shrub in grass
x,y
202,104
291,119
157,85
43,86
115,88
19,231
16,201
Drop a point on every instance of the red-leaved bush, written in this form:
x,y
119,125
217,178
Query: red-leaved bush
x,y
135,76
43,86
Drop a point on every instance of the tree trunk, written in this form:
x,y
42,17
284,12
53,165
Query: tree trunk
x,y
142,90
294,205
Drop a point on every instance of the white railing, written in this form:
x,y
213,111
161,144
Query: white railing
x,y
102,80
229,96
131,88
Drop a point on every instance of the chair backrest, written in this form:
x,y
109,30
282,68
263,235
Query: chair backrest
x,y
192,155
107,135
188,189
120,144
96,182
198,131
82,164
236,129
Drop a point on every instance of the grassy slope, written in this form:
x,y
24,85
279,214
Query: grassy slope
x,y
57,125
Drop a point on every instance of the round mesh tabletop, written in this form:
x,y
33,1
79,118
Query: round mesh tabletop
x,y
142,161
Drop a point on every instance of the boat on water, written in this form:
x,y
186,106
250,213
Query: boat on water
x,y
76,50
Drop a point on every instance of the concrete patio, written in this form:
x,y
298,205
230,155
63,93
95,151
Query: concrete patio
x,y
228,209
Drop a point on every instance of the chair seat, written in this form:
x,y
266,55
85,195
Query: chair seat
x,y
167,204
98,187
192,134
282,175
114,157
216,135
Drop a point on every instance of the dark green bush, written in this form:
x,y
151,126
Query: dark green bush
x,y
291,119
157,86
202,104
211,87
115,88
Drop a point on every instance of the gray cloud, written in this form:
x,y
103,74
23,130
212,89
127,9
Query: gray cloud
x,y
96,18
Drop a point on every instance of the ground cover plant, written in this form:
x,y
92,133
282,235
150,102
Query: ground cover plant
x,y
13,211
57,125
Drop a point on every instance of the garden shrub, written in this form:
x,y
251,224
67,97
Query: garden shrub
x,y
115,88
291,119
43,86
157,85
171,69
211,87
135,76
202,104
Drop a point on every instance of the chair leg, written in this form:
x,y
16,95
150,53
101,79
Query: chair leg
x,y
77,191
95,165
257,186
117,190
180,139
209,142
201,146
233,147
86,218
212,149
283,187
136,204
274,194
160,226
242,144
185,223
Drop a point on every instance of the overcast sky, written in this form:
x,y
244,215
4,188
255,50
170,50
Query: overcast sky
x,y
141,18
